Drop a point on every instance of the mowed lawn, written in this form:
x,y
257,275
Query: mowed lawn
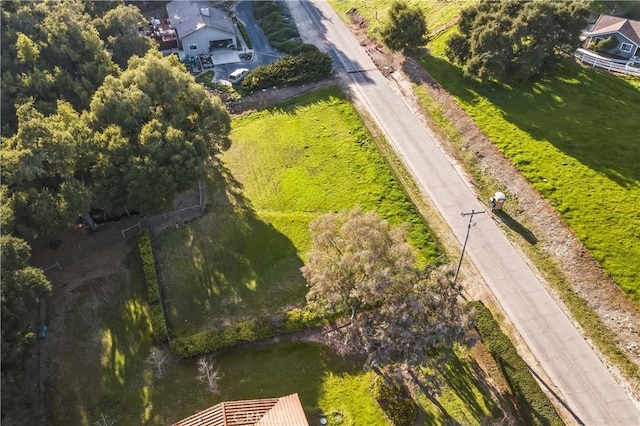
x,y
574,135
285,167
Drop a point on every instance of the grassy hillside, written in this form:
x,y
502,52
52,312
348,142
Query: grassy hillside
x,y
285,167
574,136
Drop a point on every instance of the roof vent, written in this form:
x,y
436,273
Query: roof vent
x,y
205,11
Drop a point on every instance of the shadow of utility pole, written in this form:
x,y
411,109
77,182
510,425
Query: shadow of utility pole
x,y
516,226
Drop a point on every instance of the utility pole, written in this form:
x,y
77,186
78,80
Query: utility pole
x,y
466,238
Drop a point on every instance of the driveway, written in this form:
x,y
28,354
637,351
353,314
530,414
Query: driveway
x,y
263,53
586,388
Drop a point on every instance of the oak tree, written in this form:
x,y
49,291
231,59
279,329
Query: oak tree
x,y
397,314
405,28
154,128
515,40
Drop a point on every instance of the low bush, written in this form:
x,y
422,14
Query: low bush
x,y
307,66
274,21
249,331
245,35
532,403
148,264
395,401
153,293
284,34
226,337
264,8
158,324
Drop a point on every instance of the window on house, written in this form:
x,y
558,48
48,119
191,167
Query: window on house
x,y
626,47
193,46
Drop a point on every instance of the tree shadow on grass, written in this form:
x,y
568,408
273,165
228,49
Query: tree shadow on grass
x,y
465,376
227,266
98,367
566,108
516,226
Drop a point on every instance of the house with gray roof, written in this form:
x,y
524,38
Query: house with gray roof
x,y
625,35
200,27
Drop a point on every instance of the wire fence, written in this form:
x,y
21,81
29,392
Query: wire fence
x,y
147,222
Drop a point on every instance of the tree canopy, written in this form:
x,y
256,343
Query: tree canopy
x,y
358,265
514,40
145,136
154,127
118,28
22,288
50,51
405,28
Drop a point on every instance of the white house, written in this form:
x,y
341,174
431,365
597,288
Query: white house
x,y
200,28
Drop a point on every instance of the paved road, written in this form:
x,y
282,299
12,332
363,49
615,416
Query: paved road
x,y
589,391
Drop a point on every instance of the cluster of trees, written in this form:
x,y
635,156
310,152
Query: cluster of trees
x,y
400,316
80,131
514,40
92,117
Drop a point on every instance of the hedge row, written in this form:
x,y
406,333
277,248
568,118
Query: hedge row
x,y
395,402
245,34
264,8
533,404
249,330
290,70
278,28
153,294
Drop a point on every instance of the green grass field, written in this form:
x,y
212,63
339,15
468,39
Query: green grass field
x,y
100,370
285,167
574,136
438,14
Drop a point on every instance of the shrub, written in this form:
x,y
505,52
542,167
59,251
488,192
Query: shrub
x,y
395,401
606,43
307,66
148,264
153,292
157,322
532,403
245,35
284,34
298,319
249,330
274,20
226,337
264,8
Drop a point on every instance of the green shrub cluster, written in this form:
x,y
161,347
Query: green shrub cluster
x,y
533,405
264,8
249,330
245,34
153,293
290,70
278,28
604,44
395,401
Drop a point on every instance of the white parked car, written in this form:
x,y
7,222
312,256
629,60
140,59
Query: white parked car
x,y
238,75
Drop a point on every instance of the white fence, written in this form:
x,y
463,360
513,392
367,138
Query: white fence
x,y
597,61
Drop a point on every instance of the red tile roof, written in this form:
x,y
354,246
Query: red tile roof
x,y
284,411
607,24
